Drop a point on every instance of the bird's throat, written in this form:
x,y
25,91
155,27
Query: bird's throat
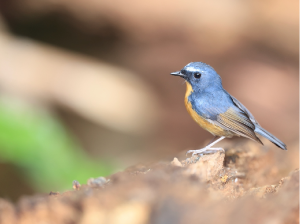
x,y
189,89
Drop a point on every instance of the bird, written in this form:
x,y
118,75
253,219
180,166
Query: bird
x,y
216,111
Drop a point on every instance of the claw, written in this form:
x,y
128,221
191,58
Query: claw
x,y
207,149
217,149
203,151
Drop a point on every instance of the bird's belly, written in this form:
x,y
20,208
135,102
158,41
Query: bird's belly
x,y
205,124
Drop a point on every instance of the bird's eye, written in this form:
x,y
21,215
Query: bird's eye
x,y
197,75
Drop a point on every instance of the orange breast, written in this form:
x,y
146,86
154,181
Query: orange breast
x,y
212,128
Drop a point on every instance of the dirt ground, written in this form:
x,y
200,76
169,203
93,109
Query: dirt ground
x,y
246,184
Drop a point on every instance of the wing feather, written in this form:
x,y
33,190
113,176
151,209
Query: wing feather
x,y
244,109
237,122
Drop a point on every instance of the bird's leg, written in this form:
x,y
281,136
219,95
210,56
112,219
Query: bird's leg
x,y
207,152
212,140
207,148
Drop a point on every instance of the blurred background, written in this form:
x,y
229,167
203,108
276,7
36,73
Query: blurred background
x,y
85,88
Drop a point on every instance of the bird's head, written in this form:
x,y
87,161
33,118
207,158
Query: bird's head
x,y
200,76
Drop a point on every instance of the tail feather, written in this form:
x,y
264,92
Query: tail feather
x,y
272,138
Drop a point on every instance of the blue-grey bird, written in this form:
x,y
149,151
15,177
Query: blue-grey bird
x,y
215,110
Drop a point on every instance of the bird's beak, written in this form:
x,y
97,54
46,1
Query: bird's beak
x,y
178,73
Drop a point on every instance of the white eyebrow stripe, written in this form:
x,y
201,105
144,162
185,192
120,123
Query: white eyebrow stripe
x,y
191,69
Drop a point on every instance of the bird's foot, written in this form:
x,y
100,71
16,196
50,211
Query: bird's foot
x,y
205,150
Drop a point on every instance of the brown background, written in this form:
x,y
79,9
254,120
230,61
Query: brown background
x,y
64,52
